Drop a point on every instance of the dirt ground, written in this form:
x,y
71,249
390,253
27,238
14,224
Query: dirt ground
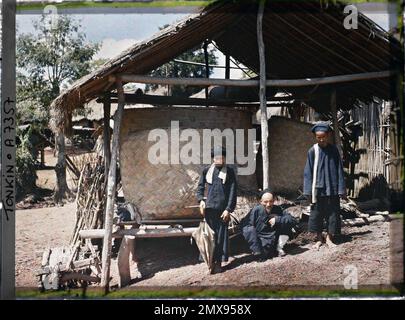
x,y
174,262
368,250
46,181
37,229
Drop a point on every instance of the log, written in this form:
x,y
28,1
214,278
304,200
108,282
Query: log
x,y
111,188
373,212
282,83
139,233
262,96
363,221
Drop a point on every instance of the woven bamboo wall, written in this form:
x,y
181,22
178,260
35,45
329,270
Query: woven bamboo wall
x,y
381,160
163,191
289,141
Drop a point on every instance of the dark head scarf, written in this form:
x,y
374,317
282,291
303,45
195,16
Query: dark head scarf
x,y
321,126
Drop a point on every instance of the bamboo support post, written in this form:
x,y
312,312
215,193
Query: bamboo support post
x,y
262,94
111,188
227,72
207,69
106,132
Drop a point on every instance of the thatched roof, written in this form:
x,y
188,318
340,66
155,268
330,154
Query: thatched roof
x,y
302,39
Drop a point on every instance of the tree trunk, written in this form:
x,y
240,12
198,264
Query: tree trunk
x,y
62,190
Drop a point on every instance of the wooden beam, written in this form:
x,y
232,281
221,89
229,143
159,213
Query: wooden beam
x,y
139,233
165,100
203,64
262,96
111,188
106,133
283,83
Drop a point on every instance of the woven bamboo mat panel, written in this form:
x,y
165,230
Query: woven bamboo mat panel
x,y
164,191
289,141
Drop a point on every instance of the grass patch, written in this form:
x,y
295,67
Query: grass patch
x,y
96,293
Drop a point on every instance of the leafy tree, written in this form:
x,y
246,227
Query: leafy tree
x,y
47,62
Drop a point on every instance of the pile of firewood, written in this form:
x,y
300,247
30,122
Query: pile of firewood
x,y
352,213
90,198
79,263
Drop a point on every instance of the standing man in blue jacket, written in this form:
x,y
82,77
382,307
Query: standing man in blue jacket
x,y
324,183
220,179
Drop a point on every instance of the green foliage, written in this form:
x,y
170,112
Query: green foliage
x,y
48,62
92,4
181,70
25,164
175,69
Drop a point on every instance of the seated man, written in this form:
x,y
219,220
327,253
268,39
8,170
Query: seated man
x,y
267,225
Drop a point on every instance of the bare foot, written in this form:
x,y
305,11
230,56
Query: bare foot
x,y
330,243
317,245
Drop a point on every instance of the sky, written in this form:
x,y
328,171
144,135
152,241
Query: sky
x,y
117,32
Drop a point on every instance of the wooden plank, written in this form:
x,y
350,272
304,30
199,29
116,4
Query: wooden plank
x,y
262,96
124,252
280,83
111,188
174,221
139,233
45,257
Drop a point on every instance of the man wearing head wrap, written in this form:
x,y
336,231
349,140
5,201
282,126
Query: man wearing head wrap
x,y
220,202
267,228
324,183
